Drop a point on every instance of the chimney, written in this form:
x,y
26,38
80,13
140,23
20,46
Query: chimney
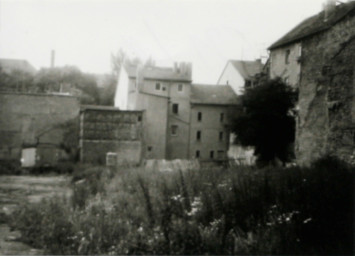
x,y
52,58
328,6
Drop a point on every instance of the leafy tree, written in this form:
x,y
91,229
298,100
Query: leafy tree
x,y
69,79
267,122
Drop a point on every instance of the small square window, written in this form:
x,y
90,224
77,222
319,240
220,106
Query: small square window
x,y
197,154
157,86
180,87
212,154
198,135
175,108
174,130
220,136
150,148
221,117
199,116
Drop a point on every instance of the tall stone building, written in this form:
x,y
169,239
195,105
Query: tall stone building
x,y
318,58
175,110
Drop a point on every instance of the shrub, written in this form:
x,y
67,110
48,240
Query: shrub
x,y
236,211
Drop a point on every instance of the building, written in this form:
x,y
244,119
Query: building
x,y
240,74
173,106
211,108
318,58
108,130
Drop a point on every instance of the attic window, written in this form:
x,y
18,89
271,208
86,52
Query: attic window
x,y
287,56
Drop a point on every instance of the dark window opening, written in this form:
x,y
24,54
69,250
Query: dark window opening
x,y
150,148
221,117
175,108
157,86
287,56
197,153
220,136
139,118
198,135
248,84
199,116
174,129
212,154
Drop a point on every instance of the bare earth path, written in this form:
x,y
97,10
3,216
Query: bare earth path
x,y
14,189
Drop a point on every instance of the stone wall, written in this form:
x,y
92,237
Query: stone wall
x,y
105,129
29,118
326,94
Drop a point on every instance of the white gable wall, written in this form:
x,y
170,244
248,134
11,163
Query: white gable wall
x,y
121,95
232,77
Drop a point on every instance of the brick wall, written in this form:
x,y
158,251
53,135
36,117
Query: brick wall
x,y
104,130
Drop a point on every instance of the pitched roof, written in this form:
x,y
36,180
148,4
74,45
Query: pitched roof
x,y
158,73
213,95
315,24
9,65
247,69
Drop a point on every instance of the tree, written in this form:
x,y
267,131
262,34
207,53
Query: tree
x,y
267,122
68,79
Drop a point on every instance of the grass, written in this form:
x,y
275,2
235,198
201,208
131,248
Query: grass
x,y
230,211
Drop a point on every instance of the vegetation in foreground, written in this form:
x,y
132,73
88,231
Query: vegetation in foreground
x,y
240,211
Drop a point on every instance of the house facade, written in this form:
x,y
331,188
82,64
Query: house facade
x,y
240,74
321,61
169,100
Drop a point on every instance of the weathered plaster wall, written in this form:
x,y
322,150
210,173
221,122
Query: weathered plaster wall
x,y
178,145
23,117
290,71
103,131
326,94
210,127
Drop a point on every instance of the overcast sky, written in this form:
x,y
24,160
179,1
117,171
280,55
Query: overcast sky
x,y
205,32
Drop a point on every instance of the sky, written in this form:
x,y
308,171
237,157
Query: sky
x,y
84,33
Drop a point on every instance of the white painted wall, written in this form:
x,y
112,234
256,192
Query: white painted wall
x,y
121,94
232,77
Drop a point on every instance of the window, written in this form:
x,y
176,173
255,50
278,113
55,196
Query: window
x,y
212,154
150,148
197,154
139,118
174,130
287,56
247,83
198,135
199,116
220,136
157,86
175,108
221,117
220,154
180,87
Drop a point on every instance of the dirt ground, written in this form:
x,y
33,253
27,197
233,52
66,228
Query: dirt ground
x,y
14,189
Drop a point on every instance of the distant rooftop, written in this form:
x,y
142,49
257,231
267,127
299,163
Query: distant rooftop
x,y
315,24
180,72
247,69
104,108
9,65
213,94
